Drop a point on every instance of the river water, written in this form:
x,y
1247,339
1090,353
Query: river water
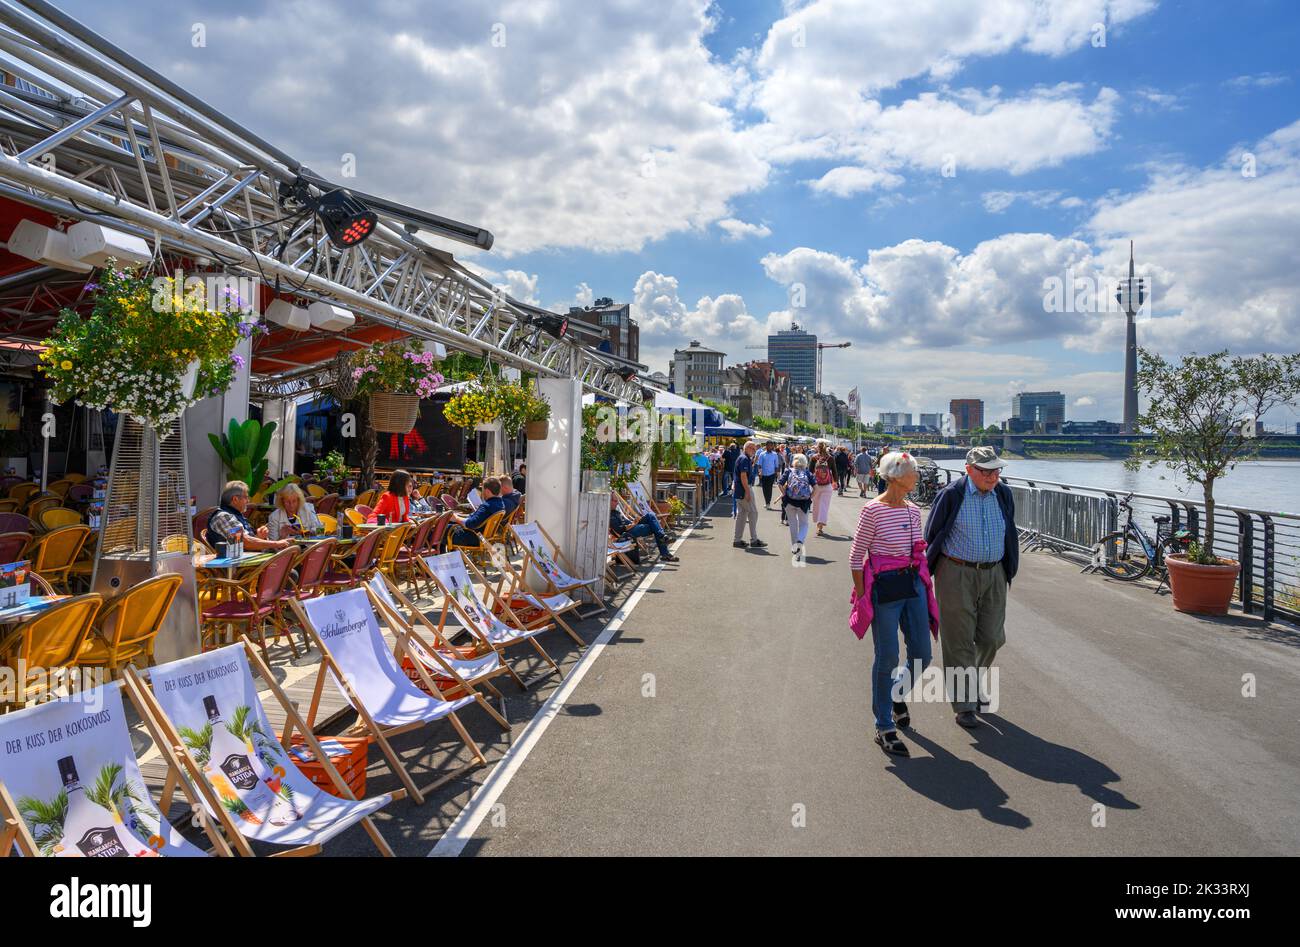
x,y
1272,485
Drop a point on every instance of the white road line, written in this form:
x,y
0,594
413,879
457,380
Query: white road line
x,y
459,833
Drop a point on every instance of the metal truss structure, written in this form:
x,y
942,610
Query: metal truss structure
x,y
91,133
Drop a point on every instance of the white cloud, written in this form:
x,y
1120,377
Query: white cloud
x,y
847,181
995,202
1263,80
739,229
521,286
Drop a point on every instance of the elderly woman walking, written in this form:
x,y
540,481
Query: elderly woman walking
x,y
892,590
823,474
796,497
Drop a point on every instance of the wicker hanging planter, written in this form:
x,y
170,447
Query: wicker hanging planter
x,y
392,413
537,430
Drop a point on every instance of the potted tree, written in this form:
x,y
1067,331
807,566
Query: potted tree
x,y
1202,413
394,377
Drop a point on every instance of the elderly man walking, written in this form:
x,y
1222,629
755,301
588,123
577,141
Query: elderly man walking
x,y
744,489
973,554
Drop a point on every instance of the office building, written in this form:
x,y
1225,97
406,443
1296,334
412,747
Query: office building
x,y
968,413
621,335
934,421
795,352
1046,408
697,372
895,419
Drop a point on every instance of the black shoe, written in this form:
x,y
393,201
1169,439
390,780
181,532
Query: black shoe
x,y
757,544
668,557
740,544
902,716
890,743
967,719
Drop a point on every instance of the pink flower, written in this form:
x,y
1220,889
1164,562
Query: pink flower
x,y
357,373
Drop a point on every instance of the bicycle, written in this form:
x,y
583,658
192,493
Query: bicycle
x,y
1129,554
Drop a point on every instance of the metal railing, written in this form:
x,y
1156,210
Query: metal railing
x,y
1071,517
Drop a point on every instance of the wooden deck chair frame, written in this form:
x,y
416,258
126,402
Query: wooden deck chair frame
x,y
617,558
449,603
516,581
633,516
404,628
366,723
156,720
598,607
14,830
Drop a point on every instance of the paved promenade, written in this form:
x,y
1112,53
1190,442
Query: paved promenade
x,y
729,715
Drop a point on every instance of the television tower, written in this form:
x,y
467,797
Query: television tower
x,y
1130,290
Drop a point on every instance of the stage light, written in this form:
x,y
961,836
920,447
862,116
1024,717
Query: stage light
x,y
552,325
347,221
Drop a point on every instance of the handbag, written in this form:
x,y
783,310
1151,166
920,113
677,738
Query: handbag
x,y
895,585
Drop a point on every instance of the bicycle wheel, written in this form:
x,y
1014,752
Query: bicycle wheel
x,y
1124,557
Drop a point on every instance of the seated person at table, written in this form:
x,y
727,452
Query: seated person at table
x,y
229,522
509,495
467,528
293,515
419,505
521,479
395,503
647,525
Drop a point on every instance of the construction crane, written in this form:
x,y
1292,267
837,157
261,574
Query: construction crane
x,y
820,346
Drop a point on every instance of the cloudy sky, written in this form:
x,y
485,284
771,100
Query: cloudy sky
x,y
906,176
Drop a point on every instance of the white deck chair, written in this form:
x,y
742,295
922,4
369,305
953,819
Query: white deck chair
x,y
109,811
355,655
462,597
641,502
510,588
438,656
263,796
543,555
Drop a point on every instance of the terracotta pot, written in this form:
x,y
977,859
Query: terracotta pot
x,y
1202,590
536,430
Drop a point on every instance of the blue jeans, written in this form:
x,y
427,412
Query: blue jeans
x,y
648,525
727,476
913,616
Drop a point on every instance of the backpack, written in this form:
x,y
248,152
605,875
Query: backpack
x,y
823,474
797,486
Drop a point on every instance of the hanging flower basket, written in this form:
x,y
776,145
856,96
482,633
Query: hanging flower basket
x,y
394,413
537,430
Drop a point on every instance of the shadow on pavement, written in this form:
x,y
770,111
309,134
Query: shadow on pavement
x,y
1002,740
955,783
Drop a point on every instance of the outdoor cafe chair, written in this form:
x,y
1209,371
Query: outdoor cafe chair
x,y
312,566
255,600
60,487
364,510
9,506
295,814
58,516
125,629
78,493
315,491
13,545
366,671
391,546
107,766
461,597
367,498
449,501
327,505
412,549
24,491
479,551
48,641
200,521
41,505
355,518
545,557
327,522
53,554
75,477
364,556
455,670
16,523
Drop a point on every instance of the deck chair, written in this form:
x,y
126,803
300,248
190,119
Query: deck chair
x,y
108,811
642,502
355,655
543,555
450,573
528,608
259,794
437,663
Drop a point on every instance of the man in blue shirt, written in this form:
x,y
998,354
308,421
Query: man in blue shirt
x,y
729,458
973,554
647,525
509,495
468,527
769,465
746,499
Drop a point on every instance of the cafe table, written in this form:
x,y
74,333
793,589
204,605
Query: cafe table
x,y
29,609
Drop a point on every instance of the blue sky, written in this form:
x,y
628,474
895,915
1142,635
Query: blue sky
x,y
699,160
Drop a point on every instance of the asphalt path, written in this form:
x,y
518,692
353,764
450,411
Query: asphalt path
x,y
730,715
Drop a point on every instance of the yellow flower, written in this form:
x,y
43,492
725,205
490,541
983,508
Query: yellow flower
x,y
65,365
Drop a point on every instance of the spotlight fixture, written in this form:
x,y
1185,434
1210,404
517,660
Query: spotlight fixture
x,y
347,221
553,325
627,374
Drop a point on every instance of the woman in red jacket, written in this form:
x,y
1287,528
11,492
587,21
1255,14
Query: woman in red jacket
x,y
395,503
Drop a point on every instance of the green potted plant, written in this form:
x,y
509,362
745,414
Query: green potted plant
x,y
394,377
1202,414
243,449
149,348
332,468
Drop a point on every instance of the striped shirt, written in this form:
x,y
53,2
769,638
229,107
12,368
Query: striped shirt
x,y
885,530
979,532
